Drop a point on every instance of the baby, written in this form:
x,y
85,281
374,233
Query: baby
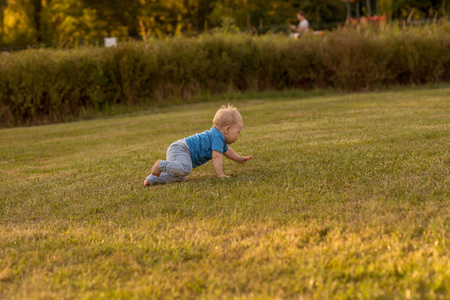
x,y
191,152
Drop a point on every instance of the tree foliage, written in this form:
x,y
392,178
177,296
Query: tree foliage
x,y
75,22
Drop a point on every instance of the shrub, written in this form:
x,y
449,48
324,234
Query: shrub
x,y
45,86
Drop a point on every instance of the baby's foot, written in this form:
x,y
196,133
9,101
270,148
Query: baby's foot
x,y
146,182
156,169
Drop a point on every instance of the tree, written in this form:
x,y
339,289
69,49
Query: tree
x,y
3,4
70,22
36,17
326,11
422,8
349,10
117,14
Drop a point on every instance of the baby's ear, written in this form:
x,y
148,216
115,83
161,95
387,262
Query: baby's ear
x,y
227,129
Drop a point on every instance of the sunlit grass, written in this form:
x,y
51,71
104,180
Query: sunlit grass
x,y
347,197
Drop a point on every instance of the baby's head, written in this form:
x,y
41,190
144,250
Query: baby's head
x,y
229,122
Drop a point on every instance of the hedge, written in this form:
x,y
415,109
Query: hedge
x,y
46,85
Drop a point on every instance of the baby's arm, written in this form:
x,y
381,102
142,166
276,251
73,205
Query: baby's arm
x,y
231,154
218,163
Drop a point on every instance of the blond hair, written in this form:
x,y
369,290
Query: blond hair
x,y
227,116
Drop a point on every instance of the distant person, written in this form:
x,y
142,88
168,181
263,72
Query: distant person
x,y
303,25
191,152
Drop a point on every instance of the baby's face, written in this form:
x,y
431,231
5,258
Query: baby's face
x,y
232,133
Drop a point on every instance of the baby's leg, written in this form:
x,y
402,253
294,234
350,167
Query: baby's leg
x,y
163,178
156,169
176,168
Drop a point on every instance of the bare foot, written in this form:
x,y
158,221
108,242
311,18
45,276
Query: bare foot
x,y
146,182
156,169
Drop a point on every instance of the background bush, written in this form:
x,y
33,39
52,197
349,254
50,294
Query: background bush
x,y
45,86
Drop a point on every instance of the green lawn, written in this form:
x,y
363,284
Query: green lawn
x,y
347,197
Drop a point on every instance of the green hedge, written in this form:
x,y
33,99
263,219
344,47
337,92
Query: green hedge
x,y
45,86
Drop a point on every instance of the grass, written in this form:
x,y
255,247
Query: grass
x,y
347,197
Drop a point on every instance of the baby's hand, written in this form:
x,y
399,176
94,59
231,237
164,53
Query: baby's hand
x,y
223,176
245,159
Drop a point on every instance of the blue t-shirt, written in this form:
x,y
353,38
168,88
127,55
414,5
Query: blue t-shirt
x,y
202,144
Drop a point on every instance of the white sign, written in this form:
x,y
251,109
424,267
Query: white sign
x,y
110,42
